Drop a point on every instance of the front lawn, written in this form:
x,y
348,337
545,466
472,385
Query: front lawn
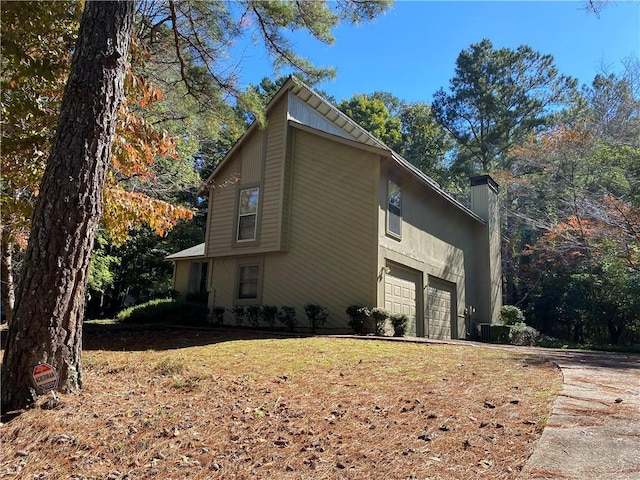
x,y
196,404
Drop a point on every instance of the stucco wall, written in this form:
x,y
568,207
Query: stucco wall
x,y
437,240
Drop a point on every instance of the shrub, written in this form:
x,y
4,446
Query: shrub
x,y
499,333
197,297
358,315
253,314
269,314
164,310
193,314
511,315
218,315
151,311
399,322
238,314
523,335
317,316
550,342
288,316
380,316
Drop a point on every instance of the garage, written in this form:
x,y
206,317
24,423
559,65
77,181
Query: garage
x,y
400,287
441,299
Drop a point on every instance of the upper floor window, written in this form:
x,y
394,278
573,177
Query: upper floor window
x,y
394,208
247,214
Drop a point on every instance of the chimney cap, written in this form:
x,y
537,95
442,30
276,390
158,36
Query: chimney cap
x,y
485,180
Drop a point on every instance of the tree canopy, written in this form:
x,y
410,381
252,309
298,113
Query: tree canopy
x,y
193,39
574,191
409,129
496,99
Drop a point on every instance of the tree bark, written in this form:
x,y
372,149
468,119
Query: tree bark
x,y
7,290
48,315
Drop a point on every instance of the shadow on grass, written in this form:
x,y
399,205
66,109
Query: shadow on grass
x,y
132,337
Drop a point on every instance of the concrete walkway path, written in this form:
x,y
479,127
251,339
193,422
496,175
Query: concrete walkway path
x,y
594,429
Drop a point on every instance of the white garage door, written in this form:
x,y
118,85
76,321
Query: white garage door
x,y
440,308
400,288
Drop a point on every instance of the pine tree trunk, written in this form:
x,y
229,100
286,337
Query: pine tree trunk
x,y
48,315
7,292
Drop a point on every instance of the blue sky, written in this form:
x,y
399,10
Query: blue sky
x,y
411,50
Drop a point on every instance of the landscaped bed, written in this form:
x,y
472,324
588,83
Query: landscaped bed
x,y
232,404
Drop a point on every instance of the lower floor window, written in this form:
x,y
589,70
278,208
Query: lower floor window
x,y
248,282
198,277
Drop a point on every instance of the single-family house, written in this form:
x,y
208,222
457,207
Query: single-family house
x,y
313,209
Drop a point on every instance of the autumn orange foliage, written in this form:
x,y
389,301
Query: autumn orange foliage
x,y
136,146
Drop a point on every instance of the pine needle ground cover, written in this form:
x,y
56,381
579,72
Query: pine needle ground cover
x,y
205,405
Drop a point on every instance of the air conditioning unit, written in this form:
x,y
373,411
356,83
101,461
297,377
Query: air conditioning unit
x,y
485,332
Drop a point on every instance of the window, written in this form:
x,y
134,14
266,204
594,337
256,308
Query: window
x,y
198,277
394,208
248,282
247,215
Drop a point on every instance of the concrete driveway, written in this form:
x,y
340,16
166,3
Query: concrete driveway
x,y
594,429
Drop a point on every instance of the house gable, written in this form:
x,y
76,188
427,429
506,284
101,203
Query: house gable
x,y
299,212
304,114
259,160
254,164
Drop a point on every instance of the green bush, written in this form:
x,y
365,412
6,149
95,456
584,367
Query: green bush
x,y
218,315
511,315
380,316
288,316
399,322
269,314
499,333
317,316
239,314
164,310
253,314
358,316
523,335
197,297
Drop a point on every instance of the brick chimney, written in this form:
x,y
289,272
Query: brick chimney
x,y
484,203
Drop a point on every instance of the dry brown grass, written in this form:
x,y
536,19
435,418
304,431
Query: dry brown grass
x,y
197,405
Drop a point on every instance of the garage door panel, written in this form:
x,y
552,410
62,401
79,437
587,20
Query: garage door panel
x,y
400,295
440,308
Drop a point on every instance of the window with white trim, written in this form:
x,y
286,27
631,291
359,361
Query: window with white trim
x,y
394,208
248,282
247,215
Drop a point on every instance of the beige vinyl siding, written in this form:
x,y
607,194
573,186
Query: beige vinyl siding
x,y
270,224
287,193
484,201
221,285
181,272
222,205
259,163
251,164
331,260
